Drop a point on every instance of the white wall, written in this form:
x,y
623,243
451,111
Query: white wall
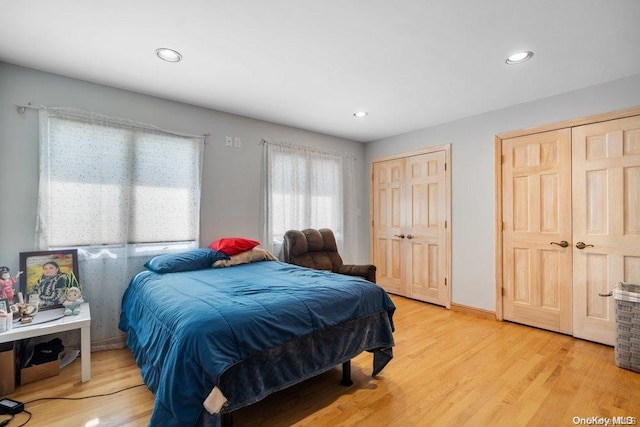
x,y
231,176
472,146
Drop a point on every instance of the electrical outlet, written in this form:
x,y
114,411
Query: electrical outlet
x,y
229,141
238,142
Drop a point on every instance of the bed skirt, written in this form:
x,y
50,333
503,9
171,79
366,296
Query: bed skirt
x,y
280,367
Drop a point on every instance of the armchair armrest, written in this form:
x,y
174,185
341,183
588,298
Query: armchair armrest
x,y
367,271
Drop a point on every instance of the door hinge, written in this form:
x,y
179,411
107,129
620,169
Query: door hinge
x,y
445,167
445,281
502,159
445,224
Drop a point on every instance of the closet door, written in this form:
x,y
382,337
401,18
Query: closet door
x,y
387,194
425,243
410,206
606,221
536,213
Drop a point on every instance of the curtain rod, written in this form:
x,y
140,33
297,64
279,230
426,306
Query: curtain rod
x,y
205,136
21,108
347,154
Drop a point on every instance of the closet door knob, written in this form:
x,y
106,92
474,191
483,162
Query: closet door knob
x,y
399,235
582,245
563,244
409,236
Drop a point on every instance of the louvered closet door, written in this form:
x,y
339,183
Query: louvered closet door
x,y
536,197
606,218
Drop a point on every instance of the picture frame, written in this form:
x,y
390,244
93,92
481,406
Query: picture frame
x,y
46,276
4,305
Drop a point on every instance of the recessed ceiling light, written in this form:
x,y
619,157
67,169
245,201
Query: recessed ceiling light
x,y
168,55
361,114
519,58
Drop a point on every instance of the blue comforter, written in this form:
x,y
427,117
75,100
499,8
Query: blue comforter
x,y
187,329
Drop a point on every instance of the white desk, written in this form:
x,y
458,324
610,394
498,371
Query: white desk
x,y
81,321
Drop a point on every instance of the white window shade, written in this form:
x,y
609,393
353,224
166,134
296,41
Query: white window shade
x,y
165,190
119,191
107,181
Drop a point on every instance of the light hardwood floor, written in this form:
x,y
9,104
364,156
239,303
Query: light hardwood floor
x,y
449,369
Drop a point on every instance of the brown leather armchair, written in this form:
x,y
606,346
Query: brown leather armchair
x,y
317,249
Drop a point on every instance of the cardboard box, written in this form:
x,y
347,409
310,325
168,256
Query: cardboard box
x,y
7,368
38,372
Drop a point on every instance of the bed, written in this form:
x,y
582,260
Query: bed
x,y
209,341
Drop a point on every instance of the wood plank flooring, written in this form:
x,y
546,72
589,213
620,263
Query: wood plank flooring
x,y
449,369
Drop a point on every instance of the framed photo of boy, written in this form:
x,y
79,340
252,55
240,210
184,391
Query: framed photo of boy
x,y
47,275
4,305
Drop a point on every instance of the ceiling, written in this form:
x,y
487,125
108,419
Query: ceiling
x,y
311,64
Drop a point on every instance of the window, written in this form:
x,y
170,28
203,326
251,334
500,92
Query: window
x,y
107,181
307,192
120,192
305,188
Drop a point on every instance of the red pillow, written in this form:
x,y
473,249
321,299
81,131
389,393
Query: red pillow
x,y
233,245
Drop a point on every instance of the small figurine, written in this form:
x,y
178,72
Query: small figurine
x,y
6,283
4,322
73,301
